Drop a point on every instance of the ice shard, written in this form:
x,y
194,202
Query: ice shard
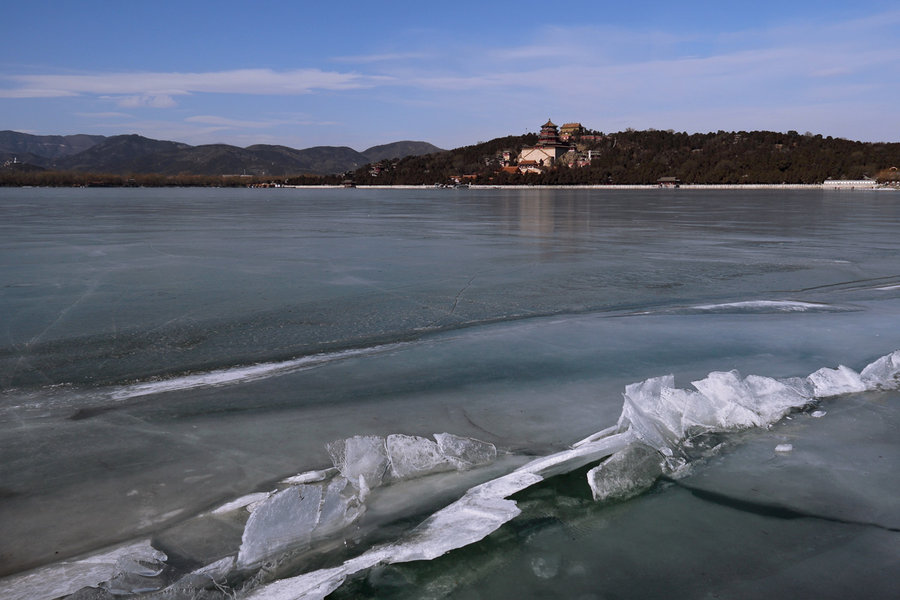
x,y
360,456
341,506
465,452
884,373
626,473
413,456
284,521
834,382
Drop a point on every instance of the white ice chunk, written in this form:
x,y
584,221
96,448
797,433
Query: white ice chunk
x,y
626,473
884,373
834,382
569,460
818,414
774,399
310,476
465,452
248,500
412,456
784,447
466,521
67,577
284,521
646,411
362,455
731,402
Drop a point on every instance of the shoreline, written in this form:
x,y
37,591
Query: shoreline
x,y
696,186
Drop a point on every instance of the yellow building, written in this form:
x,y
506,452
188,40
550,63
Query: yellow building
x,y
570,130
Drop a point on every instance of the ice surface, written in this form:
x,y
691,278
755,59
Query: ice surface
x,y
414,456
834,382
626,473
284,521
360,456
465,452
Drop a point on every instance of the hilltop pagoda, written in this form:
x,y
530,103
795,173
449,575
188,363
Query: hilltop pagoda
x,y
549,135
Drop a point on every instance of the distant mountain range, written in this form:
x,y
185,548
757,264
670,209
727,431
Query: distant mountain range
x,y
127,154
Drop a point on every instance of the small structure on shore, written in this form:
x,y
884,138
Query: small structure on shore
x,y
866,183
668,182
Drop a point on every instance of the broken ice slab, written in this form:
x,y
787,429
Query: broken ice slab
x,y
834,382
884,373
626,473
414,456
149,563
284,521
297,516
360,456
67,577
340,507
465,452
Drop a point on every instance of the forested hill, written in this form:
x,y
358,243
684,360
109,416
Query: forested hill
x,y
643,157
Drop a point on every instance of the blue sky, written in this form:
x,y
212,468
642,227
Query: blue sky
x,y
452,73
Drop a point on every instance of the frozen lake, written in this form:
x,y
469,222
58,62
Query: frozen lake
x,y
164,352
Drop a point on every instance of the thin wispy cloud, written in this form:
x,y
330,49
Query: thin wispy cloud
x,y
385,57
146,100
137,87
105,115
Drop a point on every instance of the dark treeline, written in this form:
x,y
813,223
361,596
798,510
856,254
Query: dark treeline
x,y
628,157
643,157
42,178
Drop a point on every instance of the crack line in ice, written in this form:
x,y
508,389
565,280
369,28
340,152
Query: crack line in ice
x,y
765,509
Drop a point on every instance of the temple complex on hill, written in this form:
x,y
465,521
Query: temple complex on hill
x,y
547,151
